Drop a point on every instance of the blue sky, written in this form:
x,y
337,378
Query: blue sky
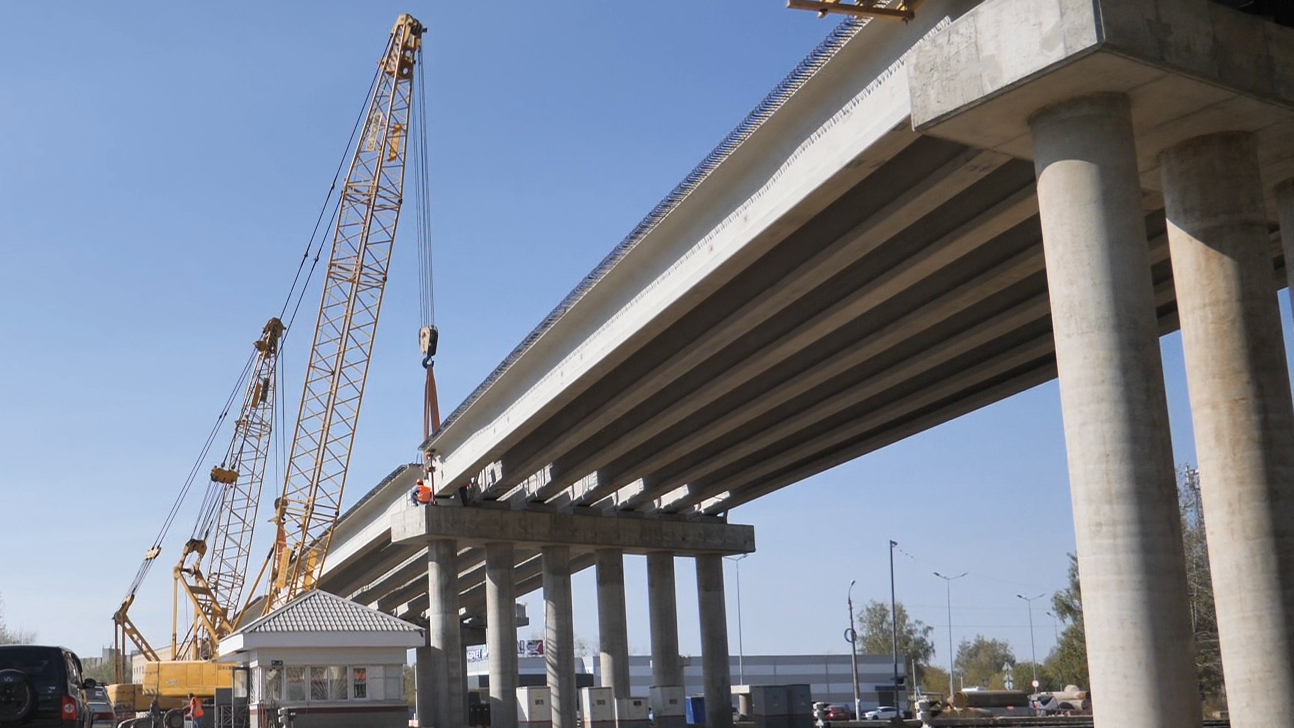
x,y
161,165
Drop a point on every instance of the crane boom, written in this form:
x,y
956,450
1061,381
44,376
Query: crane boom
x,y
368,212
225,531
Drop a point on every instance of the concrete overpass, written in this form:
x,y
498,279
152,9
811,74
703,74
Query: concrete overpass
x,y
863,259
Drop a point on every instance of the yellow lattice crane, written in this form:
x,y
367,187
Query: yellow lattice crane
x,y
368,213
212,570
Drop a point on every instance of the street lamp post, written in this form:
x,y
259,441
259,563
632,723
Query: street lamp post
x,y
1033,654
851,636
1055,629
948,587
741,650
894,626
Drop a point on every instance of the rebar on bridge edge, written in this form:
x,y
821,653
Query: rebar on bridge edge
x,y
787,88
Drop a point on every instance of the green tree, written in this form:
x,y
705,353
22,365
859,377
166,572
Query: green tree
x,y
1199,584
1067,663
979,662
876,637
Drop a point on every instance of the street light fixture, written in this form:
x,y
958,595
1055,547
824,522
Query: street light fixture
x,y
851,636
1033,654
741,650
948,587
1055,629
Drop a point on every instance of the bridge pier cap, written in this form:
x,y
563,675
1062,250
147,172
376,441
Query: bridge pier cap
x,y
1189,67
581,532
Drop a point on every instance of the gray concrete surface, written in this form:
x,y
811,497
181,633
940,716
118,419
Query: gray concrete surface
x,y
444,639
613,627
559,635
1284,194
501,633
662,608
1115,413
1190,67
538,527
1240,402
714,641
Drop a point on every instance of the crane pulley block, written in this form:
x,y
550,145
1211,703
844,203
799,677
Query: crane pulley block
x,y
224,476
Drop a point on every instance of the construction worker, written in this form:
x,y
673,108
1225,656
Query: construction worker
x,y
423,492
155,713
195,711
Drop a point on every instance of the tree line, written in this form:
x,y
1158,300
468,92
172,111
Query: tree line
x,y
978,661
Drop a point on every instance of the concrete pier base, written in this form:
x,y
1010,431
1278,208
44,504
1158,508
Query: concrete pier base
x,y
1116,416
1240,401
444,658
613,627
714,641
559,635
501,633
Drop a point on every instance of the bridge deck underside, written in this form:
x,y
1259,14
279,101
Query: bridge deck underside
x,y
917,296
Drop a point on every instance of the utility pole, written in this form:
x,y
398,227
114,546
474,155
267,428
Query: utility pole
x,y
948,581
851,636
894,626
1033,654
741,650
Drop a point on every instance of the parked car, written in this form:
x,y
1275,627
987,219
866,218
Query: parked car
x,y
838,712
42,687
884,712
101,712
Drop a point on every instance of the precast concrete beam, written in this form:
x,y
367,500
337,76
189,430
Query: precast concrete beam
x,y
578,531
1189,67
1043,371
707,234
1241,405
949,175
961,226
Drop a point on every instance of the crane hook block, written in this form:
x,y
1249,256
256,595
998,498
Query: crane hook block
x,y
428,338
224,476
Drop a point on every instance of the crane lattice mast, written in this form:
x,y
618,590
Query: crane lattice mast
x,y
225,531
368,213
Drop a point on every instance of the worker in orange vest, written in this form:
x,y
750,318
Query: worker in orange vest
x,y
195,711
423,492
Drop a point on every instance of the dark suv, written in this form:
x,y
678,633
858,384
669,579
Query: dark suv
x,y
42,686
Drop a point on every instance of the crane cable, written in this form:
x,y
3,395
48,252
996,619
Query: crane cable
x,y
426,280
214,495
156,548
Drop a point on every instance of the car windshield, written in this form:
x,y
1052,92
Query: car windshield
x,y
44,666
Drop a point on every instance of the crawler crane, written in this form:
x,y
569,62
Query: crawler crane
x,y
212,570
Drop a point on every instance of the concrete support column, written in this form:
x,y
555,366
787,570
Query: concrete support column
x,y
424,676
501,633
1122,481
1240,401
1285,207
613,625
666,663
559,635
714,641
448,704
